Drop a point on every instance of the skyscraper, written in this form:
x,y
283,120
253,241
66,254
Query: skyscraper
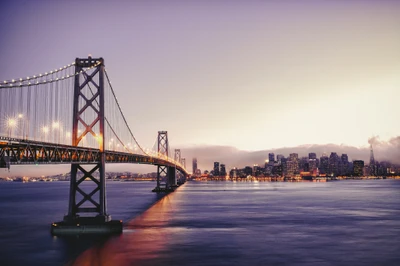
x,y
324,164
372,165
358,167
333,164
303,164
293,164
271,158
344,166
223,170
312,166
194,164
279,158
312,155
216,169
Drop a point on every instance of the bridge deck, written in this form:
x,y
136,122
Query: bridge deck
x,y
18,151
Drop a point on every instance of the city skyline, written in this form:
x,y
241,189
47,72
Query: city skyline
x,y
247,75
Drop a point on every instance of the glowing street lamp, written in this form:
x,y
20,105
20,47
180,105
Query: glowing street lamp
x,y
45,130
11,123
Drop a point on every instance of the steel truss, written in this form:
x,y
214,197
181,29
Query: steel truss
x,y
23,152
95,83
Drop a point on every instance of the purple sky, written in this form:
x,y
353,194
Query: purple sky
x,y
254,75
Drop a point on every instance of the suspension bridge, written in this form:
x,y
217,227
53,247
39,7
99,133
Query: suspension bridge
x,y
71,115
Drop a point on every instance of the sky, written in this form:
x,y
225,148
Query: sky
x,y
248,75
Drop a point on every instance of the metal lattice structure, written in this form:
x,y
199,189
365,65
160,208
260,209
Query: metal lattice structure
x,y
94,83
35,116
162,151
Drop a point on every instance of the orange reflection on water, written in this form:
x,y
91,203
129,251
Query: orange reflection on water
x,y
143,238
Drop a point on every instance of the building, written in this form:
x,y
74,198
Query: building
x,y
333,164
279,158
344,164
194,164
358,167
223,170
216,169
303,164
293,164
271,158
312,166
312,155
277,170
324,164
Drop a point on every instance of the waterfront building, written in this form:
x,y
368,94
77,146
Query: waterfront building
x,y
256,170
358,167
197,172
216,169
293,164
372,163
312,166
279,158
284,166
268,169
277,169
303,164
344,164
333,164
312,155
223,170
271,158
247,171
194,164
324,164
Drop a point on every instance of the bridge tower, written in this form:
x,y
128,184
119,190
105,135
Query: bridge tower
x,y
164,171
177,158
88,98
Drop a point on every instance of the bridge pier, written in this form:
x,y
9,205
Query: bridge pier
x,y
95,218
171,177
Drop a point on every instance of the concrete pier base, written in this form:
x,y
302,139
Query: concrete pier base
x,y
163,189
86,225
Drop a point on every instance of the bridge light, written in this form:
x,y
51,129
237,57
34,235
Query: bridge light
x,y
45,129
56,124
20,116
11,122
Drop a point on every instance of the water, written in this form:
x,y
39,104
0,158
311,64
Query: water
x,y
212,223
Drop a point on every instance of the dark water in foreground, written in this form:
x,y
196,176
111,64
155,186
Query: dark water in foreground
x,y
212,223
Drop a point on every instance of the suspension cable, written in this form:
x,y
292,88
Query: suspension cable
x,y
123,117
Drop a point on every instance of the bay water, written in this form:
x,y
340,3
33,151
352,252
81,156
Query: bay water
x,y
354,222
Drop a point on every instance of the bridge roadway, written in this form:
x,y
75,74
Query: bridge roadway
x,y
15,151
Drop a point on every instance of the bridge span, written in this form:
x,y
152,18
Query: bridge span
x,y
71,115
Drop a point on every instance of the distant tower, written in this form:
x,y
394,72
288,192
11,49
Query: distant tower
x,y
372,165
216,169
194,164
271,158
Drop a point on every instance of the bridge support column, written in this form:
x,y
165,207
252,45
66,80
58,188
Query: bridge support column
x,y
171,183
86,214
162,170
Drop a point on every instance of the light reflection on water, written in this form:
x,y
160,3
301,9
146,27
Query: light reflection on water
x,y
218,223
212,223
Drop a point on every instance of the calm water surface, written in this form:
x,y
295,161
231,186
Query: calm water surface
x,y
212,223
